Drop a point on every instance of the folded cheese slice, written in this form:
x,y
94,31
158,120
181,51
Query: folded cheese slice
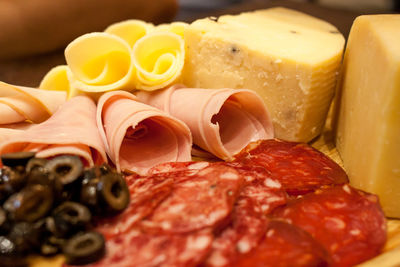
x,y
71,130
222,121
130,30
138,136
100,62
19,104
58,79
158,58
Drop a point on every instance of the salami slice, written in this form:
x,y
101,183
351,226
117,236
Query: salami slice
x,y
204,200
178,169
260,195
146,194
137,249
247,229
349,223
299,167
285,245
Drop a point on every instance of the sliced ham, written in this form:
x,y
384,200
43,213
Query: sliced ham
x,y
138,136
71,130
19,104
222,121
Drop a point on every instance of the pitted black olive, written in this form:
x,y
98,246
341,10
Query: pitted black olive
x,y
66,168
70,217
5,224
42,176
84,248
9,255
105,194
35,163
11,180
52,245
16,158
25,236
114,192
30,204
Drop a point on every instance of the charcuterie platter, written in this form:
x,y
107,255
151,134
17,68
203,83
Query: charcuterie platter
x,y
206,144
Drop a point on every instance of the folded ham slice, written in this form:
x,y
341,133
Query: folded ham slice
x,y
71,130
138,136
222,121
19,104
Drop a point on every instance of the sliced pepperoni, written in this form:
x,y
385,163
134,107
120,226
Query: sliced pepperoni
x,y
146,194
190,167
259,196
266,191
299,167
247,229
204,200
348,222
138,249
285,245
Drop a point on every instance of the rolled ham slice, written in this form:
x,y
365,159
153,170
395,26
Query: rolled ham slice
x,y
19,104
222,121
138,136
71,130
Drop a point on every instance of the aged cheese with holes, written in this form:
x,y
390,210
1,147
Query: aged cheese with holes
x,y
289,58
368,129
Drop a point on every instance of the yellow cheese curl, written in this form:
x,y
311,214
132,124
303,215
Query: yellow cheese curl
x,y
158,58
100,62
57,80
176,27
130,30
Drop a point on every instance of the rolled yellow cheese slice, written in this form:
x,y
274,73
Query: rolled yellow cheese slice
x,y
176,27
100,62
57,79
130,30
158,58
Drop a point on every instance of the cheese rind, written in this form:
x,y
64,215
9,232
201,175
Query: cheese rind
x,y
368,123
289,58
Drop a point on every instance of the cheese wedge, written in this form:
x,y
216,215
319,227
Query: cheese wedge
x,y
289,58
368,127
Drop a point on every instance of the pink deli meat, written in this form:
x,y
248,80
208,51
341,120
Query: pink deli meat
x,y
222,121
138,136
71,130
20,104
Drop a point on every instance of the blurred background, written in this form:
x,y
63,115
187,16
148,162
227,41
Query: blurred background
x,y
34,33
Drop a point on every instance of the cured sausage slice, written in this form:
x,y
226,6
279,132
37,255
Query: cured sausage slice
x,y
247,229
260,195
222,121
146,194
138,136
204,200
285,245
297,166
349,223
188,168
137,249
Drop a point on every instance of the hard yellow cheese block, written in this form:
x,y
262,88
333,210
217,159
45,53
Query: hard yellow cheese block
x,y
289,58
368,129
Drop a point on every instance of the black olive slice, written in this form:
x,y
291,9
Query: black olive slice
x,y
66,168
11,180
89,193
35,163
114,192
84,248
9,256
70,217
30,204
25,237
42,176
16,158
4,222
